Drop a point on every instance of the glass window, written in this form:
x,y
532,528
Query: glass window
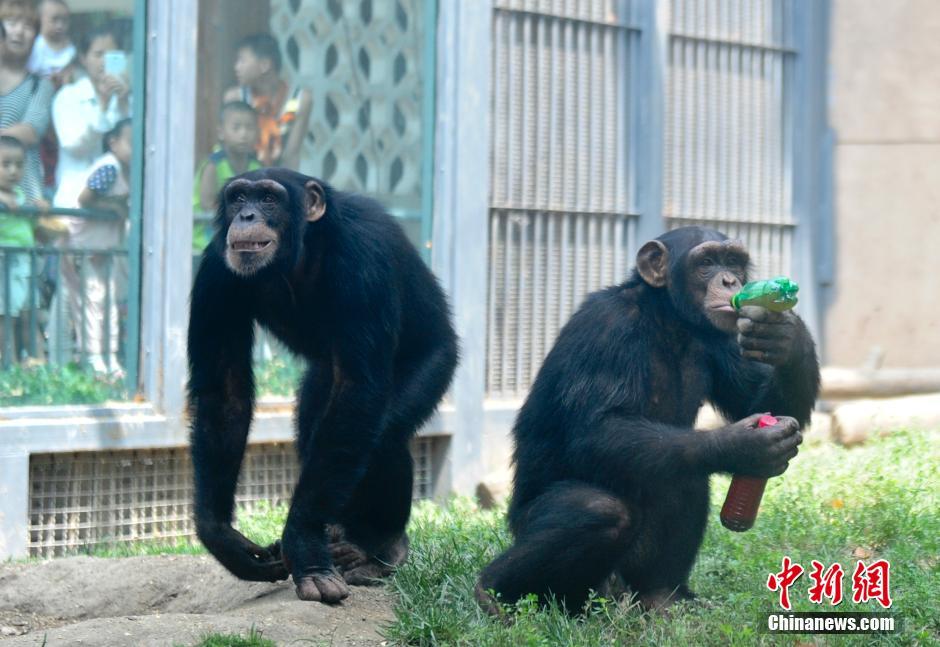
x,y
338,90
69,150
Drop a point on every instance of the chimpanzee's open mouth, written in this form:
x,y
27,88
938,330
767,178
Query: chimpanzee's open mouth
x,y
250,245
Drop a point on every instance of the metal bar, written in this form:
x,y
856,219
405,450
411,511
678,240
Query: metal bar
x,y
576,20
520,337
525,110
729,219
543,105
492,338
428,105
8,328
87,214
588,212
507,278
537,311
33,306
557,107
83,305
735,43
132,348
106,337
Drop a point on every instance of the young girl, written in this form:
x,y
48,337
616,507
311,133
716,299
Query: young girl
x,y
15,232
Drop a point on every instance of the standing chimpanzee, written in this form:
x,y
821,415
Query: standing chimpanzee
x,y
334,277
611,479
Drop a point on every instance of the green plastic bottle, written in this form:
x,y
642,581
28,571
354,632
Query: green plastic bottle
x,y
777,294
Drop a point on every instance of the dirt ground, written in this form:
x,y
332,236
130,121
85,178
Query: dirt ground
x,y
170,600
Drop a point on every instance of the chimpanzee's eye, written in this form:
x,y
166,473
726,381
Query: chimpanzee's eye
x,y
239,197
268,199
706,262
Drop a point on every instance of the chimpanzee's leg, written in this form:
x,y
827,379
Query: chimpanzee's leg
x,y
657,563
373,540
568,540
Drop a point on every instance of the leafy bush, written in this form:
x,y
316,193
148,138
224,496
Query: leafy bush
x,y
49,384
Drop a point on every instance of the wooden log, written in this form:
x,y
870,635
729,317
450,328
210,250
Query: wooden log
x,y
855,422
846,383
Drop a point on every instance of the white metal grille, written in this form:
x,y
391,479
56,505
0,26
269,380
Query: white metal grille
x,y
541,267
561,219
728,123
363,61
81,500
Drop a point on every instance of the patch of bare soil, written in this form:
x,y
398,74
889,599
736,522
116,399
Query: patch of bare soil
x,y
170,600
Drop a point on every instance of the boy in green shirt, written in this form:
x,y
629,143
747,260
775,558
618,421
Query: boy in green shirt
x,y
235,154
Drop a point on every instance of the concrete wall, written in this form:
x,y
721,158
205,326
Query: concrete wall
x,y
885,110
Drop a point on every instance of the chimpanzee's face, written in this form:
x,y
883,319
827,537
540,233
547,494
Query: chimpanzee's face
x,y
701,269
715,271
257,214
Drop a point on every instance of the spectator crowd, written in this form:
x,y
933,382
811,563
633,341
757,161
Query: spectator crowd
x,y
65,174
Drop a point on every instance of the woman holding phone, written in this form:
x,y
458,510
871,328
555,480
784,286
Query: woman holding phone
x,y
82,113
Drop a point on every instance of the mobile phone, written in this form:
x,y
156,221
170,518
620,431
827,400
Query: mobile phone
x,y
115,63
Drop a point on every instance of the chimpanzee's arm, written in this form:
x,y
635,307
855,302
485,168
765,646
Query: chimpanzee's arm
x,y
221,399
632,450
744,386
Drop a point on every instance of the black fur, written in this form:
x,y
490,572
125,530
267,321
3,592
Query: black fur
x,y
611,479
350,294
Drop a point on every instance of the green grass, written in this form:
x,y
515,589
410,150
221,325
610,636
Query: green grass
x,y
253,639
882,498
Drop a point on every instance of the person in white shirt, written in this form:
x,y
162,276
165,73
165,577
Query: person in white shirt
x,y
53,50
83,111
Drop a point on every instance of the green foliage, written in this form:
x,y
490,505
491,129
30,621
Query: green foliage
x,y
49,384
253,639
279,375
879,500
264,523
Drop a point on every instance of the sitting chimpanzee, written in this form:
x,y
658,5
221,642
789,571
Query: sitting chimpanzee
x,y
611,480
334,277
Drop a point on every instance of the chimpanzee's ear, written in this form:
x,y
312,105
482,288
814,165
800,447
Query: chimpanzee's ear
x,y
652,261
316,201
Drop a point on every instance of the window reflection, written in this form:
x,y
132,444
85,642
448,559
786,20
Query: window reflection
x,y
66,140
338,92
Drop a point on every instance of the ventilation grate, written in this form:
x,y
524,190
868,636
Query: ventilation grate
x,y
82,500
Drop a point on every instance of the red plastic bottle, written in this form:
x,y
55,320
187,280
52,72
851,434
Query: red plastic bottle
x,y
743,501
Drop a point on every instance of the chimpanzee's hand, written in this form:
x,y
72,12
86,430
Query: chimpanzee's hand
x,y
762,452
308,559
244,558
767,336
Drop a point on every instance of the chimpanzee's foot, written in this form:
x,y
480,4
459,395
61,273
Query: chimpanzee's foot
x,y
361,569
662,599
613,587
325,586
